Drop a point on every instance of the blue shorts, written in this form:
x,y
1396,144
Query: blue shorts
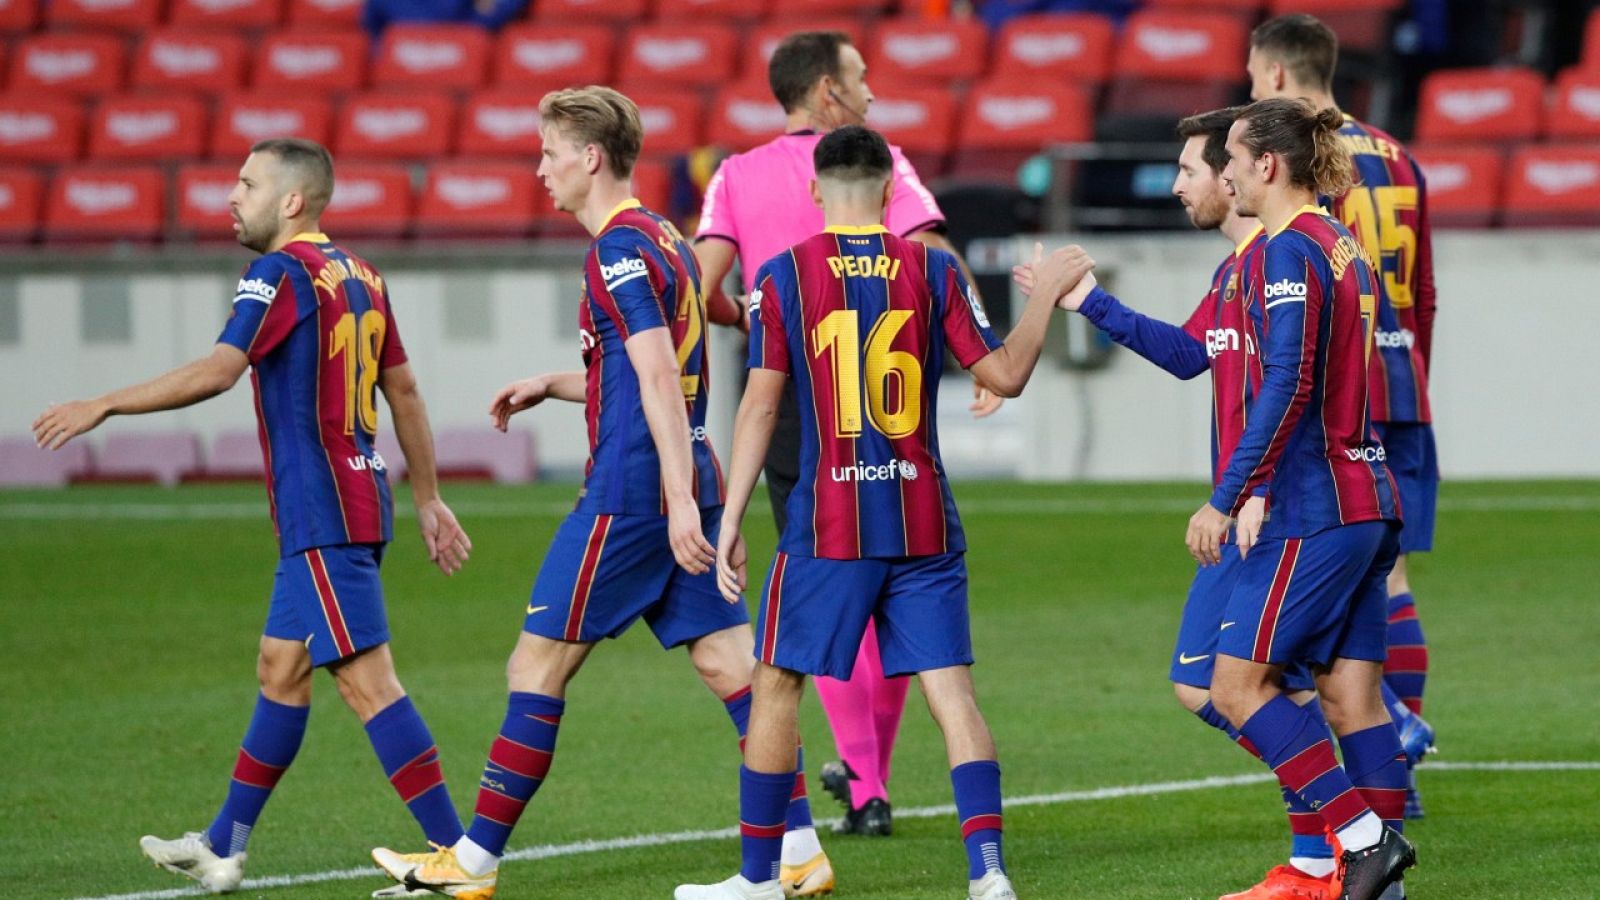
x,y
331,599
605,571
815,611
1194,656
1315,599
1414,461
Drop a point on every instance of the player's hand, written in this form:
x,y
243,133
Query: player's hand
x,y
1024,274
985,402
447,544
1072,300
1207,528
1247,530
731,559
64,421
516,397
744,312
689,545
1060,276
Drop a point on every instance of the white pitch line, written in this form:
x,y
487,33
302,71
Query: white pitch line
x,y
634,842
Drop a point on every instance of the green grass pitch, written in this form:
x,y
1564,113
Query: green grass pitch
x,y
130,619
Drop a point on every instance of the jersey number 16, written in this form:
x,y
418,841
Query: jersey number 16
x,y
894,377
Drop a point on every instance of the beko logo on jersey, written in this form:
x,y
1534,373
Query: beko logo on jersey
x,y
622,270
905,470
1286,288
1394,340
1221,340
257,287
1366,454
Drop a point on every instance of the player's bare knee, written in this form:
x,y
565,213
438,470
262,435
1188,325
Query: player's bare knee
x,y
540,665
283,670
772,681
723,661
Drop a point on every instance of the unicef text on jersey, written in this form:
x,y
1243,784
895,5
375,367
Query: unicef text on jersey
x,y
900,468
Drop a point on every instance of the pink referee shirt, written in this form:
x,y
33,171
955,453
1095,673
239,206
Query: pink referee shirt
x,y
760,201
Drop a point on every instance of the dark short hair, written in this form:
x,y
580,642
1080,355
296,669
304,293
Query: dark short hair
x,y
1306,47
1213,126
311,161
800,62
853,153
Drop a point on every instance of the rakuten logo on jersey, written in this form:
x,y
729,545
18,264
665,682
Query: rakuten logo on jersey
x,y
1366,454
1285,289
889,471
1394,340
1222,340
258,288
622,270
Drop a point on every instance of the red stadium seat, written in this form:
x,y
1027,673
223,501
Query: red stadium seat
x,y
760,43
127,202
1480,105
185,60
674,121
1463,184
921,122
590,10
1554,186
711,10
40,129
1362,25
543,56
505,123
480,198
369,199
1064,46
652,184
1179,46
1575,107
67,63
231,14
201,197
21,191
450,57
1240,7
147,129
312,61
120,15
744,116
806,8
699,55
413,125
928,50
325,14
1001,116
17,16
244,119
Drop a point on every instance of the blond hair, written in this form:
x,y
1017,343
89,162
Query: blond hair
x,y
1306,139
600,116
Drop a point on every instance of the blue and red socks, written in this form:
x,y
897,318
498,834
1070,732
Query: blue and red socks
x,y
410,759
977,790
1405,670
763,805
1377,767
800,843
269,746
518,762
1296,744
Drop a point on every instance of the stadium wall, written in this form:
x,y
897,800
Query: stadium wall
x,y
1514,367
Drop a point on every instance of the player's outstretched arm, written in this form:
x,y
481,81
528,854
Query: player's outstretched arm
x,y
752,434
1006,371
448,545
655,361
184,386
530,392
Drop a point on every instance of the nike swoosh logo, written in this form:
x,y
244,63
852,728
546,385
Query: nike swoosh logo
x,y
1226,625
533,609
1184,659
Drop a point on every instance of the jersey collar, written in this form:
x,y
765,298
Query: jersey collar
x,y
619,209
856,229
1249,239
1311,208
315,237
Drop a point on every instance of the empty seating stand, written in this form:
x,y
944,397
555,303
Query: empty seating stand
x,y
23,464
483,453
163,457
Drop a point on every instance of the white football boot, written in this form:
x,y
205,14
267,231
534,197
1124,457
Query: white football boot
x,y
994,885
192,857
735,888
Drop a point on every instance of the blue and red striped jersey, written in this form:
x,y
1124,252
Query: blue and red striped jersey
x,y
316,324
640,274
1387,211
1309,434
861,319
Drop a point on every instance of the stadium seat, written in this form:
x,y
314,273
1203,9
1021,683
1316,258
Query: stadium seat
x,y
502,123
1072,47
312,61
67,64
147,129
23,464
652,184
483,453
711,10
760,42
1553,186
235,455
105,202
1575,107
795,9
927,50
119,15
412,125
40,129
1463,184
695,55
200,197
551,55
449,57
921,122
369,199
243,118
229,14
590,10
17,16
674,121
163,457
21,195
1363,26
479,198
1170,64
186,60
1249,8
1478,105
324,14
1003,124
744,116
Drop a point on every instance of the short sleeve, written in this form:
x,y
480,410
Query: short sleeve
x,y
966,324
394,350
265,309
619,270
769,339
912,207
716,211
